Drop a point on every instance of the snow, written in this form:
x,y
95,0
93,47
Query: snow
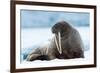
x,y
34,37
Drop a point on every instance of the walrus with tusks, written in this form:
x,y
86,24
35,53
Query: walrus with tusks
x,y
67,44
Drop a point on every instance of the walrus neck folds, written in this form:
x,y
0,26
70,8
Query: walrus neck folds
x,y
58,44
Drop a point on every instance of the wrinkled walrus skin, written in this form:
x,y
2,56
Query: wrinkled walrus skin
x,y
72,45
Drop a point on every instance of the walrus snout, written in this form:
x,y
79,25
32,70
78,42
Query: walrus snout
x,y
55,31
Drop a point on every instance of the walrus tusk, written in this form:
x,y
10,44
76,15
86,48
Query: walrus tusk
x,y
60,49
58,44
46,50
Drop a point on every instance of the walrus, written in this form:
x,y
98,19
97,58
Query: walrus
x,y
66,44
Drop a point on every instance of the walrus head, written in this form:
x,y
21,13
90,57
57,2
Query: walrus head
x,y
61,27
